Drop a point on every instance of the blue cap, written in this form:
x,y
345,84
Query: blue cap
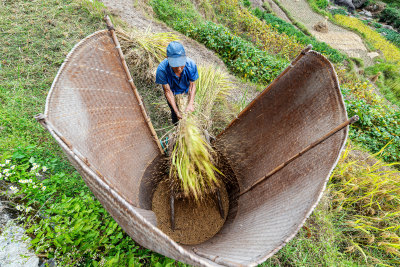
x,y
176,54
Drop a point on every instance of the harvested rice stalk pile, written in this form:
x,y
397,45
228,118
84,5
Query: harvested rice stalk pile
x,y
144,50
193,159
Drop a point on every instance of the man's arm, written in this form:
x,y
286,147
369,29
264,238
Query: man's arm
x,y
192,93
171,99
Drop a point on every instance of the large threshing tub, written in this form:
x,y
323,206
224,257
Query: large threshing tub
x,y
95,114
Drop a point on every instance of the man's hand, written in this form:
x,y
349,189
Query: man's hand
x,y
179,115
190,107
192,93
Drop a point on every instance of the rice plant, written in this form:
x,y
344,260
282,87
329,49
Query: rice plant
x,y
193,160
144,50
366,193
211,86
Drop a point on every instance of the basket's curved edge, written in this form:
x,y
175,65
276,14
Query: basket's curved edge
x,y
341,103
49,127
60,71
135,215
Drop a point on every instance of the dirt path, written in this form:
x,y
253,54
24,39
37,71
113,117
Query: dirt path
x,y
134,16
337,37
278,11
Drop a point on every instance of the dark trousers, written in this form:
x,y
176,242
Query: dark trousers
x,y
174,117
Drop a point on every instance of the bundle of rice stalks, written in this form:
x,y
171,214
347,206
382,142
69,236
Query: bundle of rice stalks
x,y
366,192
144,50
193,161
212,86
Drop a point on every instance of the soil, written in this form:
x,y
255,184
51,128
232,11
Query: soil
x,y
275,8
344,40
278,11
14,243
141,16
135,16
194,223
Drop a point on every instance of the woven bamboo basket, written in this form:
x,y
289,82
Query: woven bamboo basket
x,y
95,114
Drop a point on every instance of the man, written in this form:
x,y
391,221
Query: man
x,y
177,74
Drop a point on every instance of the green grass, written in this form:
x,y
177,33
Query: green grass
x,y
284,27
242,57
36,37
299,25
318,243
388,81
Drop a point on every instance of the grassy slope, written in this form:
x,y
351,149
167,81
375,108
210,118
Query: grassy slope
x,y
36,37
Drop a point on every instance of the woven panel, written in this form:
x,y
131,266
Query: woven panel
x,y
298,109
92,106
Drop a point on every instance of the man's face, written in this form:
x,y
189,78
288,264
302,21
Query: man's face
x,y
178,70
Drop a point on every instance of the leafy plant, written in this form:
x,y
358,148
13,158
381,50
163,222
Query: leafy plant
x,y
322,4
292,19
241,56
391,35
341,11
377,127
282,26
390,51
246,3
316,7
242,22
388,80
391,15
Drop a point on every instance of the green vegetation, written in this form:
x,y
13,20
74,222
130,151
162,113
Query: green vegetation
x,y
316,6
299,25
391,2
391,15
62,217
378,124
322,4
57,209
358,61
284,27
241,56
244,24
357,221
341,11
388,80
365,196
377,127
391,35
390,51
318,243
36,37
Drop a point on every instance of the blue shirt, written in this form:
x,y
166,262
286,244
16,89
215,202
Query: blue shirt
x,y
178,85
